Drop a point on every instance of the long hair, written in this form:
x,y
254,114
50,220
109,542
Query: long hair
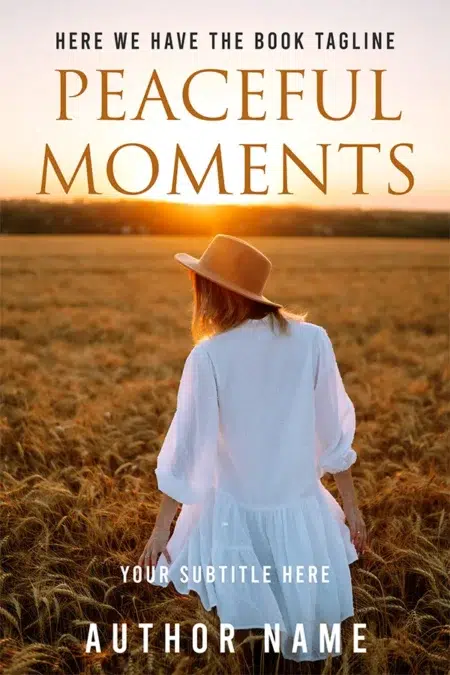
x,y
217,309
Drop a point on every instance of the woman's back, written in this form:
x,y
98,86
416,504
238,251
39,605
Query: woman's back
x,y
260,416
265,391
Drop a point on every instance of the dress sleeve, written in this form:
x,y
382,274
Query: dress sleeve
x,y
186,462
335,414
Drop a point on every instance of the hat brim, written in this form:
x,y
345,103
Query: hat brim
x,y
196,266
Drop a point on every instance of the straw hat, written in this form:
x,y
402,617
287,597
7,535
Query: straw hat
x,y
232,263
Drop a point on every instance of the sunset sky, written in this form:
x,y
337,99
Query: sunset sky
x,y
416,83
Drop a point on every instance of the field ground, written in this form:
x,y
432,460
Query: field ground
x,y
95,331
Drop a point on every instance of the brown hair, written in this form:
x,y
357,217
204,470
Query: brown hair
x,y
217,309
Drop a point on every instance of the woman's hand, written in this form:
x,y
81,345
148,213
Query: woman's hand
x,y
156,545
344,482
357,527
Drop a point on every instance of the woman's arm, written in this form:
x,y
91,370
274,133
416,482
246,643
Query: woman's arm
x,y
167,510
344,482
161,532
335,426
185,469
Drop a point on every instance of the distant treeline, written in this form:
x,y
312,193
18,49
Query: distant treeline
x,y
148,217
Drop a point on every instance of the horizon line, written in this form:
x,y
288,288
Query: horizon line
x,y
221,205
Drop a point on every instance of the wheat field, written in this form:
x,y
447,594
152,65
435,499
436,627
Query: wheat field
x,y
95,331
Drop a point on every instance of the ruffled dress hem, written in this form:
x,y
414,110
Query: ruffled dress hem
x,y
222,533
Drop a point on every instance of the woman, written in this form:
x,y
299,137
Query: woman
x,y
261,415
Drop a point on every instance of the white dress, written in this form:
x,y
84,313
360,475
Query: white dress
x,y
260,418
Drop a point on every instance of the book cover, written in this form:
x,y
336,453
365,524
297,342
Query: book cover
x,y
238,464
